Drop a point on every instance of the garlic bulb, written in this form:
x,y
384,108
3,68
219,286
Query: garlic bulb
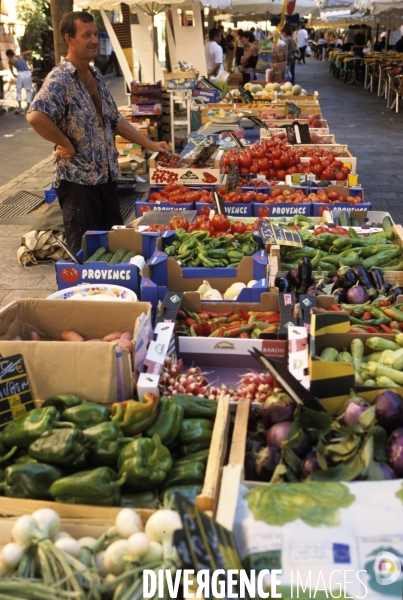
x,y
204,288
251,283
234,290
212,295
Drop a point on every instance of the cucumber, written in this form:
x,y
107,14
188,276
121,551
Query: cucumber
x,y
329,354
107,257
128,256
118,256
355,223
97,256
344,219
387,224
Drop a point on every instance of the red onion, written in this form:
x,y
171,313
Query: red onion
x,y
278,433
389,410
353,411
395,451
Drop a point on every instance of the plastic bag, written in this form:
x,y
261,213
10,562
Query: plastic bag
x,y
308,51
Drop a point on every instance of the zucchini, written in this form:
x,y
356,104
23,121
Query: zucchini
x,y
344,219
372,383
355,223
329,354
107,257
377,370
344,357
379,344
118,256
387,224
383,381
97,256
357,352
128,256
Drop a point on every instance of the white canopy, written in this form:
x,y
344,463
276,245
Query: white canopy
x,y
273,7
326,5
379,7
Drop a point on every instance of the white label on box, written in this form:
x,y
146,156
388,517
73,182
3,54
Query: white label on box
x,y
310,553
138,261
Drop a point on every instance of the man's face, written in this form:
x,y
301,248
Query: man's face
x,y
85,43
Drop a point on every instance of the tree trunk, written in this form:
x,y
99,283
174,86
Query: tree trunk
x,y
58,8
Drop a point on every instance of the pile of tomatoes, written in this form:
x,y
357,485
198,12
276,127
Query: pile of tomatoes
x,y
330,197
219,225
335,230
180,194
253,182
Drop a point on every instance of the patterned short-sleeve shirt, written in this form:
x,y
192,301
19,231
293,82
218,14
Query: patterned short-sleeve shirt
x,y
64,98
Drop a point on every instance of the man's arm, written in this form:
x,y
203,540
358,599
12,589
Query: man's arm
x,y
44,126
214,70
128,132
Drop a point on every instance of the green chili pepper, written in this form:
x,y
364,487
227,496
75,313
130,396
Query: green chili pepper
x,y
201,456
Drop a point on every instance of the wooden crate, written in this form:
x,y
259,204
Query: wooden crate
x,y
80,514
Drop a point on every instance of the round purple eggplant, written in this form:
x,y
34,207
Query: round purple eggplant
x,y
395,451
266,461
389,410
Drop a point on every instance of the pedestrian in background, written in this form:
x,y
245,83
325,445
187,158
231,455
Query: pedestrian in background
x,y
23,75
291,48
240,48
230,46
302,41
75,110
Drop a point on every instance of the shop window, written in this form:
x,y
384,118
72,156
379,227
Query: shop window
x,y
186,18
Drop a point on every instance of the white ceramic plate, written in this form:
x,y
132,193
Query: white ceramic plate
x,y
227,120
103,291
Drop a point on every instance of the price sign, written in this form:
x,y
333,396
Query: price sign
x,y
298,133
15,393
203,156
292,109
259,123
246,96
218,203
273,233
203,543
235,139
232,178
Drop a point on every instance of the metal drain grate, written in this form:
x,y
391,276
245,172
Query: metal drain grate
x,y
127,204
20,204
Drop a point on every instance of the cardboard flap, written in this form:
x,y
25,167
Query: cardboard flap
x,y
330,322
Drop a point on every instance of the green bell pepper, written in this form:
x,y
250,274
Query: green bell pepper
x,y
186,474
201,456
24,459
196,407
141,500
189,492
62,401
145,463
100,487
61,447
168,422
106,441
30,480
189,449
135,417
195,431
26,429
87,414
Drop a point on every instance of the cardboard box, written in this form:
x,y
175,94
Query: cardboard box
x,y
274,126
180,84
234,352
349,161
318,208
85,369
149,109
191,175
126,274
191,74
142,207
207,95
163,274
281,209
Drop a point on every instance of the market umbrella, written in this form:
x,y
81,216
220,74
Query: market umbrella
x,y
273,7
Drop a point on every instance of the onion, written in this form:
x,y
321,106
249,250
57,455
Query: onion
x,y
353,411
357,295
395,451
389,410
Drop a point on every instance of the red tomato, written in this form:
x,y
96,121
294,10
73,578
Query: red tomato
x,y
178,223
247,196
220,223
317,169
70,275
144,209
207,226
319,230
261,197
264,164
201,219
340,231
205,210
333,196
238,227
281,173
219,234
245,159
252,227
263,211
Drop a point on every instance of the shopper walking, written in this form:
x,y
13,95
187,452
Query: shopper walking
x,y
302,41
286,34
213,53
20,69
75,110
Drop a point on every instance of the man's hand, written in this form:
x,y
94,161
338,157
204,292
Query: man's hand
x,y
66,151
160,147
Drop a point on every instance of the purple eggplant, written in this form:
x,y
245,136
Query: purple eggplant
x,y
357,295
277,408
267,460
346,278
252,449
395,451
304,277
292,276
387,471
389,410
283,285
278,433
309,465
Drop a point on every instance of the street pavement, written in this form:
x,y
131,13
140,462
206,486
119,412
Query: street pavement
x,y
357,117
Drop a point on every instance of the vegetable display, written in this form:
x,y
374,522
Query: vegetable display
x,y
179,194
104,456
212,246
119,257
290,443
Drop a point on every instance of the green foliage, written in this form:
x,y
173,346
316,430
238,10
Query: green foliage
x,y
33,13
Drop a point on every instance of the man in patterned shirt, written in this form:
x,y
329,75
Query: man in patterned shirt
x,y
75,110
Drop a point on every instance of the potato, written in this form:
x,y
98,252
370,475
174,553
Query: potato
x,y
127,335
34,337
112,336
71,336
126,344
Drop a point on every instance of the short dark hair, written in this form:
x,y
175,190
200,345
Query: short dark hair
x,y
68,22
249,36
10,53
213,33
287,30
240,32
363,26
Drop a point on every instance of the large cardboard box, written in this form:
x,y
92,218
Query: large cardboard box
x,y
126,274
318,208
88,369
188,175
